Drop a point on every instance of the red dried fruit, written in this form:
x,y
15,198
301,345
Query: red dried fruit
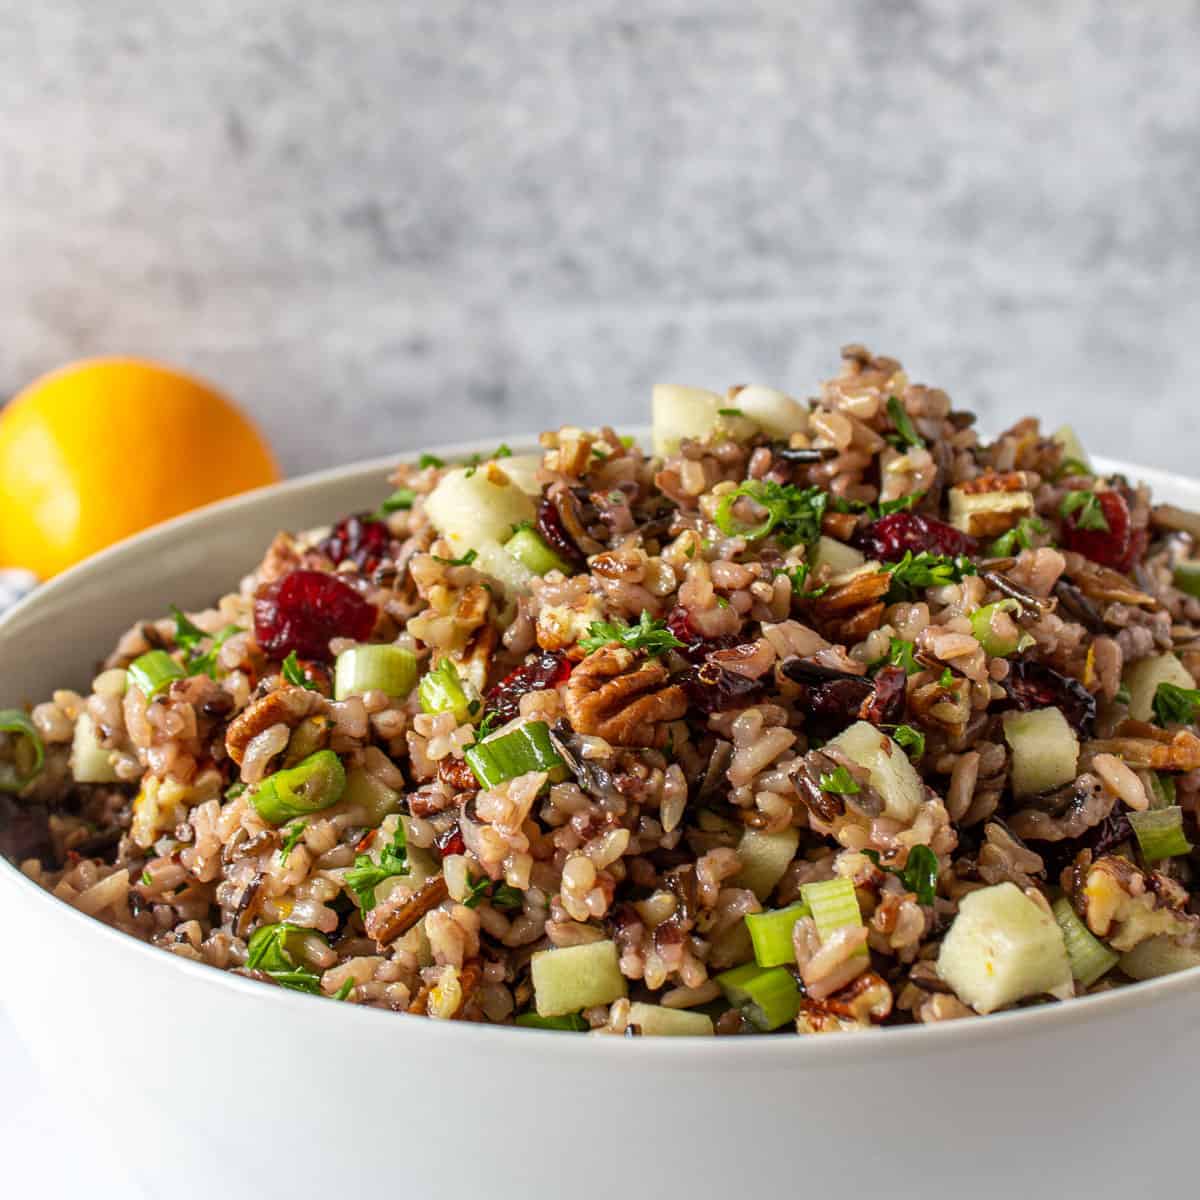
x,y
304,609
891,537
1032,684
885,705
450,841
1113,547
554,534
711,688
695,646
545,670
358,539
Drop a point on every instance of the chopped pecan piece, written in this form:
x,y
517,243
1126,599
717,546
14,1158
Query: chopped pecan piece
x,y
455,773
864,1001
1140,744
389,920
287,706
626,704
1103,583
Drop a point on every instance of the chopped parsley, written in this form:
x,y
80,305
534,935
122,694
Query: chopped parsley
x,y
367,874
1174,705
466,560
473,463
293,673
649,635
272,951
947,679
1123,695
188,637
730,412
401,498
291,841
234,790
1087,510
501,895
146,878
839,780
914,572
905,432
913,741
793,514
1020,536
875,511
900,653
430,460
920,873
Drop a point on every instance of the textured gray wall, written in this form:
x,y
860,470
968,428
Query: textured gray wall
x,y
378,224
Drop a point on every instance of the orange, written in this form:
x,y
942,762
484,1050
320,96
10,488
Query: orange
x,y
100,449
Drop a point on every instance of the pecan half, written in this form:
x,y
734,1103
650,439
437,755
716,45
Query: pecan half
x,y
611,696
389,920
1103,583
287,706
1143,745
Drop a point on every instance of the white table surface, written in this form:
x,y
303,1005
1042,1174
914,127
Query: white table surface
x,y
43,1157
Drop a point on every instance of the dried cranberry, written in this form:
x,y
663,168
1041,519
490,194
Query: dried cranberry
x,y
358,539
304,609
1032,684
885,705
711,688
545,670
891,537
554,534
1110,547
695,646
450,841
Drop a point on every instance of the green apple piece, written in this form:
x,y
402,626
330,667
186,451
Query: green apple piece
x,y
679,412
892,774
576,977
837,556
90,762
1142,680
764,858
656,1021
1045,750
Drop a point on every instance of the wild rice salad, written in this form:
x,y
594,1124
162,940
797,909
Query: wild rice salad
x,y
822,716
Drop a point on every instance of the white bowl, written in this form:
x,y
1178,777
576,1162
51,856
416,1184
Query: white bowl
x,y
210,1084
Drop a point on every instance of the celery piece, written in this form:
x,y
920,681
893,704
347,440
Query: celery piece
x,y
375,668
1089,957
529,547
153,671
768,996
444,690
834,905
515,752
771,934
1160,832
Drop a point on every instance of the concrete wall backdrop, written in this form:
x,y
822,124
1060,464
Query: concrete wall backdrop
x,y
381,223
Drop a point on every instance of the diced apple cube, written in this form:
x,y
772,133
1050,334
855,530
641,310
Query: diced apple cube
x,y
892,774
1045,750
575,977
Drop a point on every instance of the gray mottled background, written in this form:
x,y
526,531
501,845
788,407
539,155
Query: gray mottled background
x,y
378,224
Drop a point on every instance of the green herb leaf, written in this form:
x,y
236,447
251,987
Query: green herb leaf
x,y
947,679
187,635
648,635
234,790
1020,536
900,653
1087,510
477,890
1123,695
343,993
730,412
367,874
903,423
291,841
793,514
401,498
1071,466
915,572
272,951
466,560
506,897
1174,705
430,460
913,741
920,873
839,780
293,673
146,878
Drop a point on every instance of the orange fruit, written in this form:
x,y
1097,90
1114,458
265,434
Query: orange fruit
x,y
101,449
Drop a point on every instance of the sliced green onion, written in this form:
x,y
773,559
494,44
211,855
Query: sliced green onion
x,y
834,906
401,498
308,787
768,996
28,753
518,751
361,669
528,546
1162,790
996,644
1090,958
443,690
153,671
278,952
571,1022
771,934
1160,832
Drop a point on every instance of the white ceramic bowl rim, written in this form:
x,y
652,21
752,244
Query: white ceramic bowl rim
x,y
757,1052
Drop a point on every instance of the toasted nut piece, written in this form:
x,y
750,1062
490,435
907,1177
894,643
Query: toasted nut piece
x,y
626,704
991,504
1139,744
286,706
387,921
